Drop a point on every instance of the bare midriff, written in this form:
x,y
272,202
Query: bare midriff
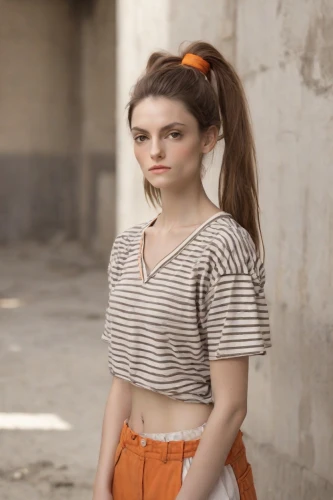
x,y
153,412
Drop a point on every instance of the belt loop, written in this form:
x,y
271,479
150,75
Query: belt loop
x,y
182,451
164,454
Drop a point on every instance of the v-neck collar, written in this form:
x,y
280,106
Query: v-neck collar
x,y
145,276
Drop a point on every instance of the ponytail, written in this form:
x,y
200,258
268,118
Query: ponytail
x,y
238,180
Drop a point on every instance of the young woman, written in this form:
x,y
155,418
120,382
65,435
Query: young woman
x,y
186,304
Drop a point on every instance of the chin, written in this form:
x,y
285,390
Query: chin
x,y
159,182
161,185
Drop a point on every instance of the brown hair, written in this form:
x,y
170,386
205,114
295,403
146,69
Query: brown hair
x,y
216,100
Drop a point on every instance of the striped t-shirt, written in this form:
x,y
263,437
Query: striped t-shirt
x,y
204,301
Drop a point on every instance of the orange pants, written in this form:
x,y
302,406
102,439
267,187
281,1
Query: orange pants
x,y
146,469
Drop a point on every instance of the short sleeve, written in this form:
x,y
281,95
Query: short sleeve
x,y
235,318
112,276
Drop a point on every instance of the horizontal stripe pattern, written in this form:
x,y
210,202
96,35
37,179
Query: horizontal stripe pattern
x,y
205,301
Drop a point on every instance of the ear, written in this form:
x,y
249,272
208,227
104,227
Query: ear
x,y
209,139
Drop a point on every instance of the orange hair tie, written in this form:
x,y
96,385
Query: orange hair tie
x,y
196,62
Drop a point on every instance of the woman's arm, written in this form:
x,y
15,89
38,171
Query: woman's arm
x,y
118,408
229,378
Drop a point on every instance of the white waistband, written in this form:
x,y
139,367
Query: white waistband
x,y
185,435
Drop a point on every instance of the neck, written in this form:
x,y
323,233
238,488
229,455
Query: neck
x,y
183,208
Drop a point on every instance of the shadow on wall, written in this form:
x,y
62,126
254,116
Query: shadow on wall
x,y
38,197
84,8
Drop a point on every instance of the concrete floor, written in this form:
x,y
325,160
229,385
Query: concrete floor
x,y
52,361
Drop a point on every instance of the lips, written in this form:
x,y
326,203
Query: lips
x,y
158,167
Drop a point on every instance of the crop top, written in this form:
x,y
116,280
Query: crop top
x,y
203,301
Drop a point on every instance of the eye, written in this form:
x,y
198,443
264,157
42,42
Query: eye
x,y
140,138
175,135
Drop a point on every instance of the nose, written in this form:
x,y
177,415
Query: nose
x,y
156,150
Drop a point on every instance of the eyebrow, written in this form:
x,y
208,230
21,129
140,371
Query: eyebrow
x,y
163,129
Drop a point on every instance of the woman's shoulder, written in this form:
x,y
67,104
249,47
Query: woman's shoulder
x,y
231,248
227,235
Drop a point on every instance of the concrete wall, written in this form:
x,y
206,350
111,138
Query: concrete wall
x,y
283,52
97,192
288,73
38,117
57,90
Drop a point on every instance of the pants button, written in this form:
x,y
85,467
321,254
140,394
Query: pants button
x,y
143,442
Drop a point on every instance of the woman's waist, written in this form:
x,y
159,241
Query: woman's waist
x,y
177,445
153,412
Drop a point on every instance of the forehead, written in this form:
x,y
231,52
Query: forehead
x,y
156,112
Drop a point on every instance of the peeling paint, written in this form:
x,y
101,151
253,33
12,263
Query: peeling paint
x,y
317,61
